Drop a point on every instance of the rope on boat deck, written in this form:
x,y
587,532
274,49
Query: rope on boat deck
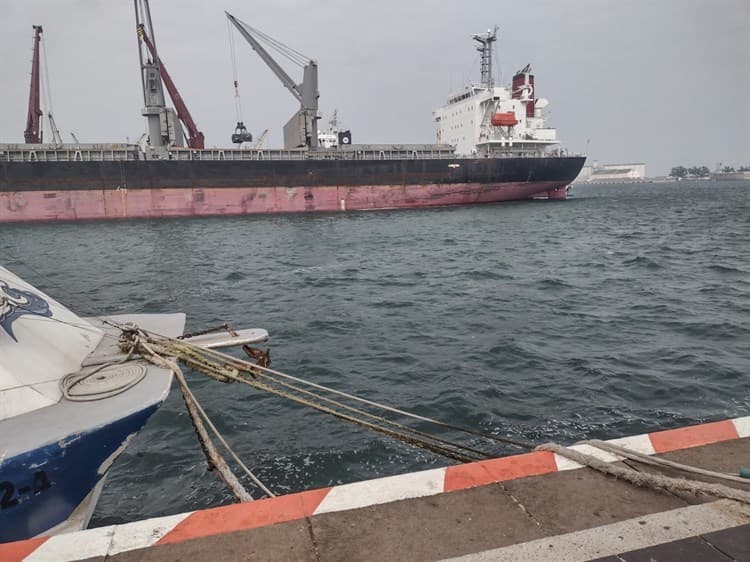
x,y
69,383
647,480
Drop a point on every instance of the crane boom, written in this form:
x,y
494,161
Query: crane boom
x,y
289,84
261,139
56,138
302,128
195,137
33,133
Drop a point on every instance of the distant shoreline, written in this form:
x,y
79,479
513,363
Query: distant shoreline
x,y
738,176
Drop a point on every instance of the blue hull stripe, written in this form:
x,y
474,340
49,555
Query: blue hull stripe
x,y
41,488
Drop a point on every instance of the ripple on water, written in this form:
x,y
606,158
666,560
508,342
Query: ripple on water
x,y
642,261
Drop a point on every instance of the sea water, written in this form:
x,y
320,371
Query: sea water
x,y
623,310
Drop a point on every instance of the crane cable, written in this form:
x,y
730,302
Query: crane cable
x,y
293,55
235,73
46,98
47,93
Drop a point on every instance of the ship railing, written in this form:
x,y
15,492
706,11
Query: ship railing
x,y
68,153
126,152
429,152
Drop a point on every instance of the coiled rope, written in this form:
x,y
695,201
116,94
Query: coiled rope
x,y
104,381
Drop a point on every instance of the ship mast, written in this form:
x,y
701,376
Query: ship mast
x,y
485,41
33,133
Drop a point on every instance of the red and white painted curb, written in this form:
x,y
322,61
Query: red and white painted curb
x,y
192,525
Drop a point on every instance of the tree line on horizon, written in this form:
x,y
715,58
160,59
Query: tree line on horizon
x,y
681,172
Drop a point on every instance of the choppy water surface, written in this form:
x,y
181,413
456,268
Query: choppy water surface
x,y
622,310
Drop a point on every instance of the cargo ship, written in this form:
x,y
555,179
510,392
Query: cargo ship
x,y
492,146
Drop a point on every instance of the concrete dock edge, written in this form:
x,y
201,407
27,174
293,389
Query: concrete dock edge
x,y
116,539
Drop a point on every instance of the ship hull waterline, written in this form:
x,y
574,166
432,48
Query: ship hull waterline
x,y
70,191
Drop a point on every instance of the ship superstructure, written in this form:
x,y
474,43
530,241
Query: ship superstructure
x,y
488,120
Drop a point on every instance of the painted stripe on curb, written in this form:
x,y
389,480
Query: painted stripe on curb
x,y
111,540
243,516
567,464
463,476
383,490
74,546
20,550
260,513
638,443
694,436
144,533
742,425
622,537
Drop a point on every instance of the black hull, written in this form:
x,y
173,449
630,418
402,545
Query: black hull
x,y
143,174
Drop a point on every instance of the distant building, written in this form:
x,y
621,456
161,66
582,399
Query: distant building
x,y
601,173
730,176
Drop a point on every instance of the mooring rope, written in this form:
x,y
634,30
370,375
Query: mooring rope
x,y
404,413
226,368
660,462
197,415
258,370
644,479
231,374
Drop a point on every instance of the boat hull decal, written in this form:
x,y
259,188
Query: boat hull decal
x,y
15,303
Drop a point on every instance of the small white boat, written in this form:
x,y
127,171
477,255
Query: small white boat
x,y
229,338
70,402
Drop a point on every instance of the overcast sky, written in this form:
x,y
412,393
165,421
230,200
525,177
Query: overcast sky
x,y
664,82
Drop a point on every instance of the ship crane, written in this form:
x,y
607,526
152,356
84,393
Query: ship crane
x,y
163,123
195,137
33,132
56,137
241,134
154,106
301,130
261,139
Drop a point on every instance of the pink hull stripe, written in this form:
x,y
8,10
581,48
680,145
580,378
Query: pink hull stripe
x,y
56,205
232,518
251,515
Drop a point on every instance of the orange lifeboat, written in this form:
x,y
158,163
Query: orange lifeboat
x,y
507,119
